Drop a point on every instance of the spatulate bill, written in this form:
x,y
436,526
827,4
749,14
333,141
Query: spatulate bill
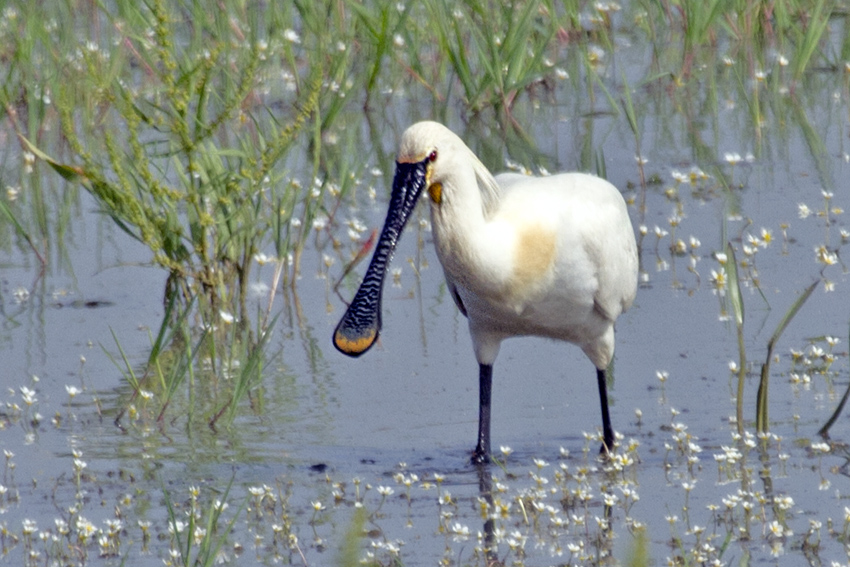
x,y
359,328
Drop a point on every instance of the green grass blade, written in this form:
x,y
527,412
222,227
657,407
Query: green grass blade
x,y
4,208
129,374
737,302
349,550
818,20
172,521
599,163
792,311
250,373
824,431
735,297
629,108
762,424
215,537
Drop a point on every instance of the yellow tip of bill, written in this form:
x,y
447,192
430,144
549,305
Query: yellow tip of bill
x,y
357,345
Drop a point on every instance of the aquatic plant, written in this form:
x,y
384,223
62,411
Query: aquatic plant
x,y
196,202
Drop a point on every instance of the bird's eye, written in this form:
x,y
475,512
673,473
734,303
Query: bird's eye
x,y
432,156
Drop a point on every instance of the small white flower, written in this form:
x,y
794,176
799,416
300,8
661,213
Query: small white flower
x,y
784,502
719,279
775,528
732,158
679,177
28,395
319,223
263,259
825,256
29,526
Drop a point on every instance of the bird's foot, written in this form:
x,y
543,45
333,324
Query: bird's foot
x,y
607,448
480,456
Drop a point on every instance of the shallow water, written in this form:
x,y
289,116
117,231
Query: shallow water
x,y
332,430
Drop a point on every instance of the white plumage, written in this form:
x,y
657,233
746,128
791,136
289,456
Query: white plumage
x,y
545,256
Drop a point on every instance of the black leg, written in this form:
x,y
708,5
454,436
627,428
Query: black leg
x,y
607,431
485,385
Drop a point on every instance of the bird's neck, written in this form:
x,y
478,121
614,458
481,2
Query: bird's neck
x,y
462,233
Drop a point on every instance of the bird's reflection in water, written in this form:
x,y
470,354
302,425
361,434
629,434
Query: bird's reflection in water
x,y
601,541
485,490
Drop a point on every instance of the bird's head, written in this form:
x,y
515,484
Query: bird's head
x,y
358,329
430,158
433,150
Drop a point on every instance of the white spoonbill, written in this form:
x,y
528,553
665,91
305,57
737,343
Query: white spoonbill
x,y
545,256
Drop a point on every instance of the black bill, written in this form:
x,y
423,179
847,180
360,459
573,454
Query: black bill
x,y
359,327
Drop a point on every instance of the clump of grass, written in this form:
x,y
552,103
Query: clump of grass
x,y
750,27
226,362
810,35
171,361
165,132
495,65
203,531
163,164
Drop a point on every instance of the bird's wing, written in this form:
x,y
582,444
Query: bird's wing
x,y
456,297
617,275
